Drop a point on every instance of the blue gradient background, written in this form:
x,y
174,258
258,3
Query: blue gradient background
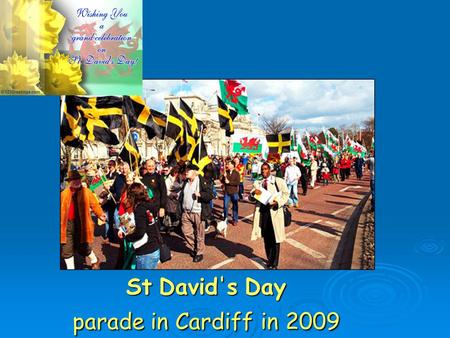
x,y
402,44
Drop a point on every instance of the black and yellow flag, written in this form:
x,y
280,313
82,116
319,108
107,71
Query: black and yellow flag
x,y
191,123
184,147
97,130
180,152
280,143
200,157
226,117
140,115
175,125
92,118
105,108
130,153
70,128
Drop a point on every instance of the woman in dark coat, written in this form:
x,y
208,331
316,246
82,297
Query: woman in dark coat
x,y
145,237
359,164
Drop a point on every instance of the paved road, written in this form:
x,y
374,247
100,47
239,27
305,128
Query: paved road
x,y
311,243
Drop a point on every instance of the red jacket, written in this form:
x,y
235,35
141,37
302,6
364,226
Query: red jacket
x,y
345,163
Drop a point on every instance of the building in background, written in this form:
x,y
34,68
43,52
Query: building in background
x,y
214,137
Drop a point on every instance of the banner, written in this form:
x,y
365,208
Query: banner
x,y
249,144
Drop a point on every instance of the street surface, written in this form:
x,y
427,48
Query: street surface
x,y
312,238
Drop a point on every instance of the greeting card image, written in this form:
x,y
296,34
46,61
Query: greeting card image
x,y
61,47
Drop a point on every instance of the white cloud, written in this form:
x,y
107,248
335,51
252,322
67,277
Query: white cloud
x,y
311,104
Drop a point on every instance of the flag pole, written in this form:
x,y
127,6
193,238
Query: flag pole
x,y
128,134
68,153
104,185
211,96
200,144
68,158
63,101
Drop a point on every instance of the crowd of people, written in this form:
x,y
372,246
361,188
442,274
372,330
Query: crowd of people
x,y
159,198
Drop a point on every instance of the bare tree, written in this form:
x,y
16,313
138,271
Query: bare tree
x,y
276,125
369,124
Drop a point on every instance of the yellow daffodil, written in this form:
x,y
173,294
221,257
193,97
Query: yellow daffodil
x,y
61,76
29,27
19,74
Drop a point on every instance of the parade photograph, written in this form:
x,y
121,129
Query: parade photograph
x,y
275,174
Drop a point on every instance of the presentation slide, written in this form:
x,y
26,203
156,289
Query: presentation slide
x,y
207,169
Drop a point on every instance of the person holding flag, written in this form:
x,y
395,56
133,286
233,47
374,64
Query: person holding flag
x,y
108,204
303,164
231,180
241,170
359,164
116,190
157,189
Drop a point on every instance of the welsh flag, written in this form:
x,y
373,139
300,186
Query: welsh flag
x,y
334,147
303,153
98,184
348,141
354,147
373,143
327,152
313,141
329,136
234,93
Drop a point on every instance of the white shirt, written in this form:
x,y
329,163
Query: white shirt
x,y
256,168
169,182
292,174
189,204
270,180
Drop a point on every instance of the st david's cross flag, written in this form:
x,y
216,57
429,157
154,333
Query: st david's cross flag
x,y
279,143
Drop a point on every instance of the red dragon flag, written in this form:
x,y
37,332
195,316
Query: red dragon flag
x,y
250,144
354,147
304,158
234,93
329,137
313,141
327,151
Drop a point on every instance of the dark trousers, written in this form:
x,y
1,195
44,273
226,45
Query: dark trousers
x,y
304,184
73,242
359,172
233,198
109,208
270,245
347,172
241,190
342,172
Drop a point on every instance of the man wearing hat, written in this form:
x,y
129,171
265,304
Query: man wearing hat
x,y
195,197
77,226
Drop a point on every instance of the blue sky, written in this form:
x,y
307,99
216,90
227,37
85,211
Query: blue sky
x,y
308,104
